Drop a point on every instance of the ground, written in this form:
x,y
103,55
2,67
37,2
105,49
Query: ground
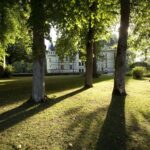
x,y
74,118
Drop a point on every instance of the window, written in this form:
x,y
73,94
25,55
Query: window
x,y
79,63
70,67
62,67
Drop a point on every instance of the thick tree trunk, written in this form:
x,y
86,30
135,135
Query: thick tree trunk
x,y
38,51
38,83
91,66
46,71
95,74
120,64
89,59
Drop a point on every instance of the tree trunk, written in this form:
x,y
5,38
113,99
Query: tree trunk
x,y
120,64
89,59
95,74
4,61
46,71
38,51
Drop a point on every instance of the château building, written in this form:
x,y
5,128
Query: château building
x,y
105,62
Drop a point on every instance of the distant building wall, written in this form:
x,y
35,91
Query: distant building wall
x,y
105,63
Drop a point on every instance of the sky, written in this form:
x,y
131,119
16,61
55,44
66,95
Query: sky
x,y
53,35
116,30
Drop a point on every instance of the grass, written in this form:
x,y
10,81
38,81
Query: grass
x,y
75,118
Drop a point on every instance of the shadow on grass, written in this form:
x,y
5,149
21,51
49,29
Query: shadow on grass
x,y
18,89
138,134
83,127
113,132
102,78
28,109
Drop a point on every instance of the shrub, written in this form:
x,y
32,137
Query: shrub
x,y
147,74
140,64
129,73
138,72
1,71
22,67
8,71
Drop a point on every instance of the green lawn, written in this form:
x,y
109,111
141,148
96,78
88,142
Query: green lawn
x,y
74,118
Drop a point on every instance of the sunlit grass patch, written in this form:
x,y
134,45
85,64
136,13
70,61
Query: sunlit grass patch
x,y
74,118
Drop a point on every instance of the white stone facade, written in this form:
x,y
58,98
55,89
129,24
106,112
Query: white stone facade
x,y
105,63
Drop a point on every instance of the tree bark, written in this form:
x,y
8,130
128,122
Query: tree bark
x,y
89,59
89,47
4,61
38,51
120,63
95,74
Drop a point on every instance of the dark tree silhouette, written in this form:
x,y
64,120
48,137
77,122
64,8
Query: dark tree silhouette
x,y
120,64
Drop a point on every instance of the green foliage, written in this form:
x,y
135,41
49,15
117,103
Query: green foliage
x,y
2,52
129,73
1,71
22,67
13,25
74,18
138,72
67,45
37,23
147,74
140,27
131,55
140,64
12,17
18,51
7,71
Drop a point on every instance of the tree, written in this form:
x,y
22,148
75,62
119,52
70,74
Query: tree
x,y
67,45
90,19
13,24
139,37
17,52
38,50
120,64
100,18
95,74
89,57
91,45
7,27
